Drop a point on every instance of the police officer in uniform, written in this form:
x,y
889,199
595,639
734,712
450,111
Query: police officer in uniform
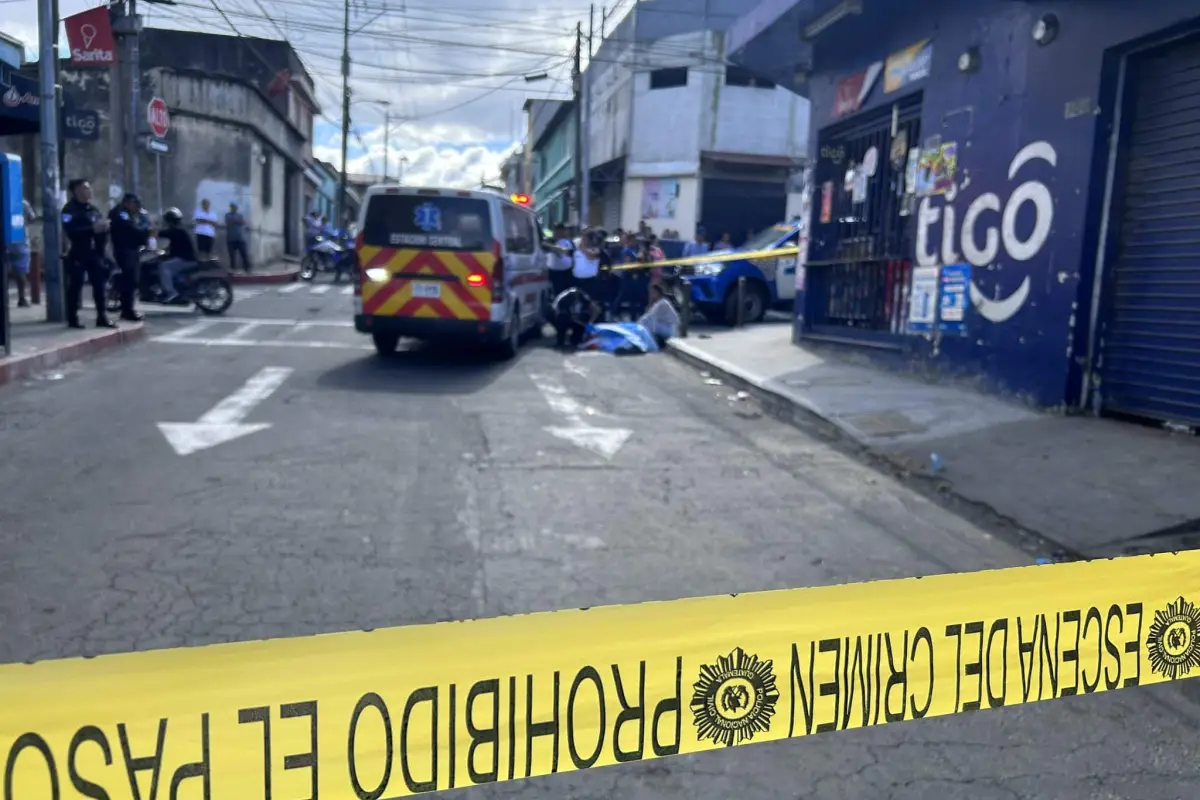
x,y
86,230
130,232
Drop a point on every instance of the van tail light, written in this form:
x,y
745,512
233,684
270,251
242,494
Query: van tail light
x,y
358,267
476,279
497,274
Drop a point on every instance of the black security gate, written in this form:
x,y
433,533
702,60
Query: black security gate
x,y
1150,340
859,267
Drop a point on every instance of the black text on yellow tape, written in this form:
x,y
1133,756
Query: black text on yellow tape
x,y
410,710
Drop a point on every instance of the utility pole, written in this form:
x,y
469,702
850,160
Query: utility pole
x,y
51,213
577,85
133,64
586,189
62,151
340,206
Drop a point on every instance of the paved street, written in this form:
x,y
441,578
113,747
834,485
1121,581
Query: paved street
x,y
428,489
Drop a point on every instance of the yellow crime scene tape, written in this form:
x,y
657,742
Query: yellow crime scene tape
x,y
401,711
714,258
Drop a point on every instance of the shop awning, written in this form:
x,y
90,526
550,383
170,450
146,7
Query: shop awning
x,y
20,104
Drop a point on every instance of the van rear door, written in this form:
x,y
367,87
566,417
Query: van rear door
x,y
437,249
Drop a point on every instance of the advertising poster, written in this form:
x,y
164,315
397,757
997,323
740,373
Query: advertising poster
x,y
827,202
953,290
906,67
922,302
660,198
852,90
936,169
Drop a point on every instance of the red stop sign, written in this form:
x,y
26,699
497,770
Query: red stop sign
x,y
157,116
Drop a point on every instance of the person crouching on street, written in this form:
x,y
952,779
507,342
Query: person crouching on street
x,y
573,311
662,321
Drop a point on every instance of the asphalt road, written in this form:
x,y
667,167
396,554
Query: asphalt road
x,y
427,489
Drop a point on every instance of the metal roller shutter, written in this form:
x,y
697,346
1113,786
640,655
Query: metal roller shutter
x,y
1150,352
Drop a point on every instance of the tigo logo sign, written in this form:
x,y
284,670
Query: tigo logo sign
x,y
90,37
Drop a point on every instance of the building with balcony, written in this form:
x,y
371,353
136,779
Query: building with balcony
x,y
1003,190
551,142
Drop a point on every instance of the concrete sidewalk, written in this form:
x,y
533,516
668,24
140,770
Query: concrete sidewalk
x,y
39,345
1093,486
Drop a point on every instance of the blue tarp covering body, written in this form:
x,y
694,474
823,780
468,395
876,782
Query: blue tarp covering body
x,y
625,338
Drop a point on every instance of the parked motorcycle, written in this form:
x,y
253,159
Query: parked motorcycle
x,y
328,254
205,283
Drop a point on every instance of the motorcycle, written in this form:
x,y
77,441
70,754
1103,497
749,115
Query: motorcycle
x,y
328,254
205,283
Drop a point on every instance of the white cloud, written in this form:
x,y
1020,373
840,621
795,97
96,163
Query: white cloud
x,y
456,110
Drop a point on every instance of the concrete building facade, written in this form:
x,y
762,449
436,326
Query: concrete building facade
x,y
1004,190
241,113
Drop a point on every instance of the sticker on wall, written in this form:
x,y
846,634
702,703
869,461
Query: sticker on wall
x,y
833,154
906,67
910,171
852,91
953,291
899,151
858,193
922,300
936,169
826,202
870,163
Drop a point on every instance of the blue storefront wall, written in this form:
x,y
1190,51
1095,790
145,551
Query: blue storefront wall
x,y
1031,125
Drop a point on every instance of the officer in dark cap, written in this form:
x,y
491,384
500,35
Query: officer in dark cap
x,y
130,231
86,230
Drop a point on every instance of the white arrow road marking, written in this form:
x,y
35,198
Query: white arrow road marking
x,y
223,423
605,442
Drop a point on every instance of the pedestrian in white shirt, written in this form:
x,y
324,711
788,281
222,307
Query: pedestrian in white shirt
x,y
586,266
661,320
204,221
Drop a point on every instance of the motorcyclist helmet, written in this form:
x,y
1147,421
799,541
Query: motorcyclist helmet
x,y
172,216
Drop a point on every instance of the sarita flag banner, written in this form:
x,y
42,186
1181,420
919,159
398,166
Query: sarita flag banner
x,y
387,713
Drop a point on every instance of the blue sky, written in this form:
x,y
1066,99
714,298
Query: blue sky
x,y
451,71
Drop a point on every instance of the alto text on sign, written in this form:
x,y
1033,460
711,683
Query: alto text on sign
x,y
158,117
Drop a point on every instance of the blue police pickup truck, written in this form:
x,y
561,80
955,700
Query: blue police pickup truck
x,y
770,282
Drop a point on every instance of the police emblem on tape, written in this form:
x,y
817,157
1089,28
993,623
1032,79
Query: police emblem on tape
x,y
1174,641
734,699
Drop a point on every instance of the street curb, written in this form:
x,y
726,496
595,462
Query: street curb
x,y
19,367
264,280
812,419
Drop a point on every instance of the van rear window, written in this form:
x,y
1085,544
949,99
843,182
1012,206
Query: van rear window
x,y
436,223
